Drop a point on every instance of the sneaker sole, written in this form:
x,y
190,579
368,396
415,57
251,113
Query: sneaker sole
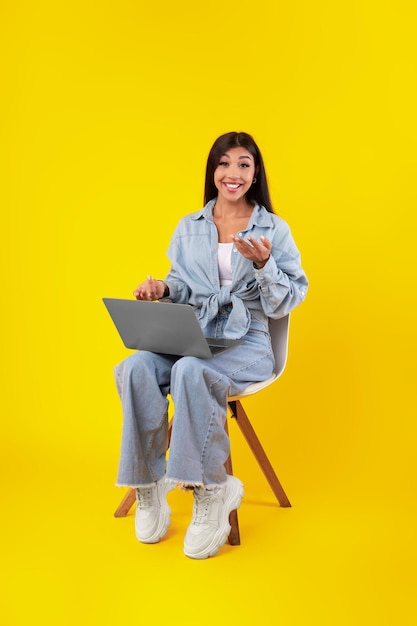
x,y
234,497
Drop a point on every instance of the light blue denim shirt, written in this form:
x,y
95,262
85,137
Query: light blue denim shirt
x,y
255,294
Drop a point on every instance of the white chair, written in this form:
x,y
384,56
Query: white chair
x,y
279,330
279,338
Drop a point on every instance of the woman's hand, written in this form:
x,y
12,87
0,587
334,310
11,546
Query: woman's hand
x,y
151,289
256,251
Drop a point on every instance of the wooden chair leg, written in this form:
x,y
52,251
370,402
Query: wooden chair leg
x,y
126,504
258,451
234,535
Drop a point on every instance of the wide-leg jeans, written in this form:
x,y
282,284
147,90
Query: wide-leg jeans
x,y
199,389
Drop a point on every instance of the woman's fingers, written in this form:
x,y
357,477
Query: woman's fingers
x,y
255,250
150,289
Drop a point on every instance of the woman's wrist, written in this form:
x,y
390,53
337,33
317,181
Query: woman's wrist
x,y
258,266
165,293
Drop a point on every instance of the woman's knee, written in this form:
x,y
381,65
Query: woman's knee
x,y
136,364
193,373
188,367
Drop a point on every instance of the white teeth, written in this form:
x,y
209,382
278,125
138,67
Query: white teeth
x,y
235,186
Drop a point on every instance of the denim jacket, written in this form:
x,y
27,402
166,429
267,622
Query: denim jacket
x,y
254,294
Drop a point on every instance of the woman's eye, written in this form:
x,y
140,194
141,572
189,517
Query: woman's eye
x,y
223,163
244,165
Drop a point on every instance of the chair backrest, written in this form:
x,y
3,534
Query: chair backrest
x,y
279,330
279,340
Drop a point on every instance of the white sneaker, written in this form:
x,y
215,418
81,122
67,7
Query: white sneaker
x,y
152,517
210,526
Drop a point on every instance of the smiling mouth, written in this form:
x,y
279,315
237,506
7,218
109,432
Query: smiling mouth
x,y
232,185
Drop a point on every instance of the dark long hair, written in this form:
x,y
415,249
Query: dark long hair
x,y
258,193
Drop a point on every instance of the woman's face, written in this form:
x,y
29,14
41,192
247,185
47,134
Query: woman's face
x,y
234,174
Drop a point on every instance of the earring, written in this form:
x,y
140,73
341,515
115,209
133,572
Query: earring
x,y
254,181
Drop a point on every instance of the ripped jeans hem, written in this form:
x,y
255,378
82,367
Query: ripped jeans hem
x,y
187,485
173,482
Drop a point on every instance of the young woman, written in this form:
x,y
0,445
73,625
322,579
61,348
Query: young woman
x,y
236,263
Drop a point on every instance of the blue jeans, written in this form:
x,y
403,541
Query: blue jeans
x,y
199,389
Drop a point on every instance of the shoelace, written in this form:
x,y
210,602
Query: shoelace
x,y
202,502
144,497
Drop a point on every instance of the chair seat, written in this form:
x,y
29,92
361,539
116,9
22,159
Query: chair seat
x,y
254,387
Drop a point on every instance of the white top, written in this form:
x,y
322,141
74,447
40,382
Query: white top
x,y
224,260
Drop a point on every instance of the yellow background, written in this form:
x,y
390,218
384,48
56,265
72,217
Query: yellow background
x,y
108,111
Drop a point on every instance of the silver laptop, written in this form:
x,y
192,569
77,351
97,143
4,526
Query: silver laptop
x,y
163,327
